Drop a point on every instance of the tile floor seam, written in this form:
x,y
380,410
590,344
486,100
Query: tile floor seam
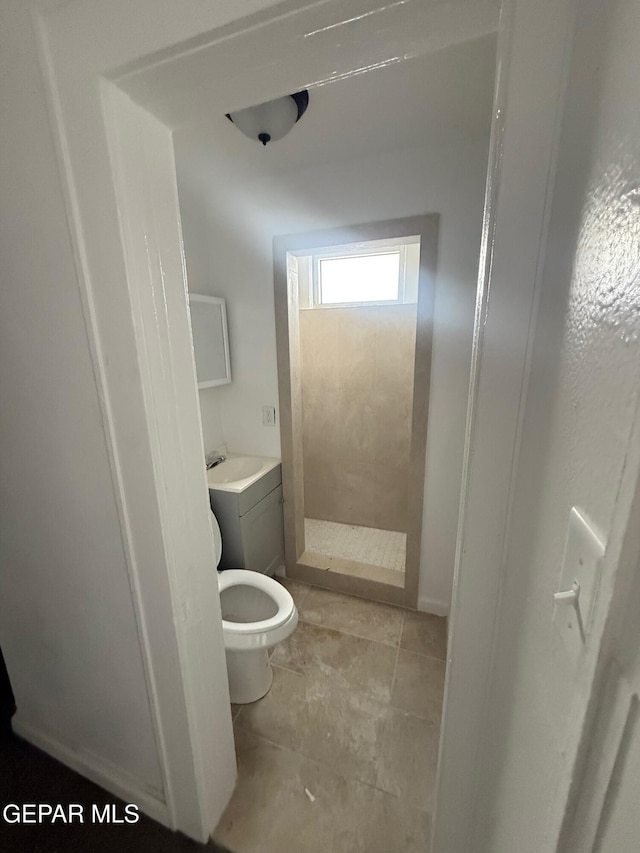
x,y
326,766
341,688
314,760
357,636
382,790
404,617
399,649
393,681
286,669
423,655
277,745
395,670
321,763
303,596
413,714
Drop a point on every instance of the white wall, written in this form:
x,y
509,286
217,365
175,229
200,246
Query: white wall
x,y
582,399
67,625
230,217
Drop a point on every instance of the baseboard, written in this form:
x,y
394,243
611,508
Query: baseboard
x,y
97,770
432,605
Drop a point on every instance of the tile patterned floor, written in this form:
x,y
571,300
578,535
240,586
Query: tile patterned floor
x,y
340,756
386,548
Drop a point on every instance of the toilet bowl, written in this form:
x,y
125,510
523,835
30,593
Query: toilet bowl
x,y
257,614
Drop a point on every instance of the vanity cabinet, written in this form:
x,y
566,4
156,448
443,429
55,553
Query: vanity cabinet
x,y
251,523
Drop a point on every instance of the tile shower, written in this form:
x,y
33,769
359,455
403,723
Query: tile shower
x,y
357,398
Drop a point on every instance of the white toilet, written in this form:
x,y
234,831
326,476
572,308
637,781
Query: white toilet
x,y
257,613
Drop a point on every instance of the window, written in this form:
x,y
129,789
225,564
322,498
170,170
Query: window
x,y
359,279
375,272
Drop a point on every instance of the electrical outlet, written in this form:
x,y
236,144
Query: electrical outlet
x,y
268,416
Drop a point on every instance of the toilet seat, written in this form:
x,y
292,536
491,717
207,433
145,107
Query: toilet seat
x,y
266,632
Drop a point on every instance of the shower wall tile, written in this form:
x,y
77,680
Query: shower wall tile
x,y
392,437
319,335
355,426
357,339
357,397
320,408
390,496
350,492
317,490
395,351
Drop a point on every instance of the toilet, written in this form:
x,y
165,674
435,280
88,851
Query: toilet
x,y
257,614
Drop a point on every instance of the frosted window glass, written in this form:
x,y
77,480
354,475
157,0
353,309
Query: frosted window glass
x,y
361,278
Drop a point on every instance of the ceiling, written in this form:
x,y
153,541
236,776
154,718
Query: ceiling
x,y
439,97
300,44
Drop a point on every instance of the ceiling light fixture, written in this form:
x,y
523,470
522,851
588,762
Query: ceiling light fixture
x,y
272,120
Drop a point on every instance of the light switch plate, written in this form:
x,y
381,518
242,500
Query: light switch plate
x,y
583,552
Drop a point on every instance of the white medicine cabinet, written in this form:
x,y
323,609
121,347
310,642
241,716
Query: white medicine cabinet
x,y
210,340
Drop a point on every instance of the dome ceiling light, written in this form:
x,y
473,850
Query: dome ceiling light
x,y
272,120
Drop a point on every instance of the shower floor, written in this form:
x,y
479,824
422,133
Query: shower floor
x,y
384,548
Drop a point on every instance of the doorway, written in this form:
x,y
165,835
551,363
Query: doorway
x,y
165,356
354,365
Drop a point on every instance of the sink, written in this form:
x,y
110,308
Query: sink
x,y
237,468
238,472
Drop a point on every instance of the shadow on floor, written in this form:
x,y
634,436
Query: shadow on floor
x,y
28,775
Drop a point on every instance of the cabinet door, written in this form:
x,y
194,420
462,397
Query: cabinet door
x,y
263,535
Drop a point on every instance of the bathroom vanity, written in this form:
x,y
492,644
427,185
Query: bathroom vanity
x,y
245,493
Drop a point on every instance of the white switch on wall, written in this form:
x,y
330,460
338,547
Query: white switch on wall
x,y
578,585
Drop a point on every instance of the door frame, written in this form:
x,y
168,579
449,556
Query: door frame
x,y
525,136
290,394
80,45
